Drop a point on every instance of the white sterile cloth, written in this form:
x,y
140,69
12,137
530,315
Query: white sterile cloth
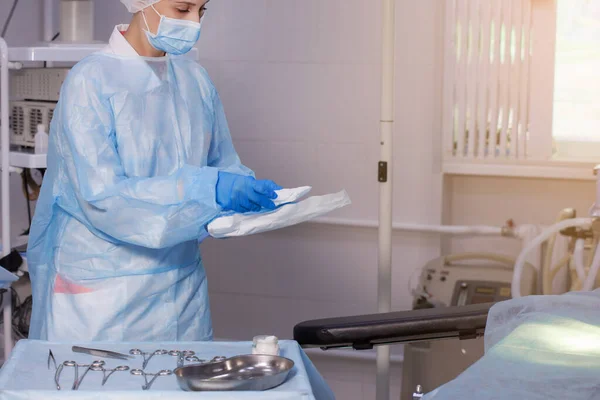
x,y
285,196
284,216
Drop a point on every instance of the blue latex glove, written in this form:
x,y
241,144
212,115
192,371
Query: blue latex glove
x,y
244,193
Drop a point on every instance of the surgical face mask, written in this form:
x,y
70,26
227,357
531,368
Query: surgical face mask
x,y
173,36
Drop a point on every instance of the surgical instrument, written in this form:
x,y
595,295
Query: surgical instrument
x,y
182,355
71,364
51,358
139,372
195,359
110,371
147,356
57,376
95,364
76,380
101,353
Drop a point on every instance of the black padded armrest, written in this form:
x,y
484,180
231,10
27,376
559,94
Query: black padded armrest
x,y
364,332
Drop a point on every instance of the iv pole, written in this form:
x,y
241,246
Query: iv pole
x,y
385,177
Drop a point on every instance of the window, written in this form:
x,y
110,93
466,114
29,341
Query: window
x,y
486,79
522,87
576,103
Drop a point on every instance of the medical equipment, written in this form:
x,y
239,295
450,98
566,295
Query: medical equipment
x,y
194,359
422,325
120,368
182,355
147,385
25,374
469,278
101,353
37,84
51,358
147,356
34,93
95,364
580,229
57,375
189,355
24,119
456,280
76,372
75,366
100,366
247,372
429,361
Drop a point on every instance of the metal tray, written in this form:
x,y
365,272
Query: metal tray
x,y
249,372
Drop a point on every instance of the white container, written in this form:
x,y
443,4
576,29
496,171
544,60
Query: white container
x,y
41,140
265,345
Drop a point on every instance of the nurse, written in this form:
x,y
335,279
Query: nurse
x,y
140,160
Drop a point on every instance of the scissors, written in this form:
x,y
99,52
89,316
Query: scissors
x,y
51,359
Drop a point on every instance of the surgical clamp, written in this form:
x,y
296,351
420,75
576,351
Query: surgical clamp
x,y
76,380
182,355
110,371
139,372
138,352
190,356
95,364
57,376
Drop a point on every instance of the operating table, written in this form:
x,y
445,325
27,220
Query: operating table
x,y
366,331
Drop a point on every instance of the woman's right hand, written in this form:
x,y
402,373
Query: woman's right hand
x,y
242,194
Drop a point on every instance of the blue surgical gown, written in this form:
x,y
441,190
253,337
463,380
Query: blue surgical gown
x,y
135,148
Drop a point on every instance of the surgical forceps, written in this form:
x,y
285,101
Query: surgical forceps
x,y
147,356
190,356
183,355
57,375
101,353
110,371
139,372
76,381
89,367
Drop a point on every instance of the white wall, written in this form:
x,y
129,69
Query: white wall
x,y
300,83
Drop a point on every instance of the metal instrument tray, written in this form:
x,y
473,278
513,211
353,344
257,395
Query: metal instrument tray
x,y
248,372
